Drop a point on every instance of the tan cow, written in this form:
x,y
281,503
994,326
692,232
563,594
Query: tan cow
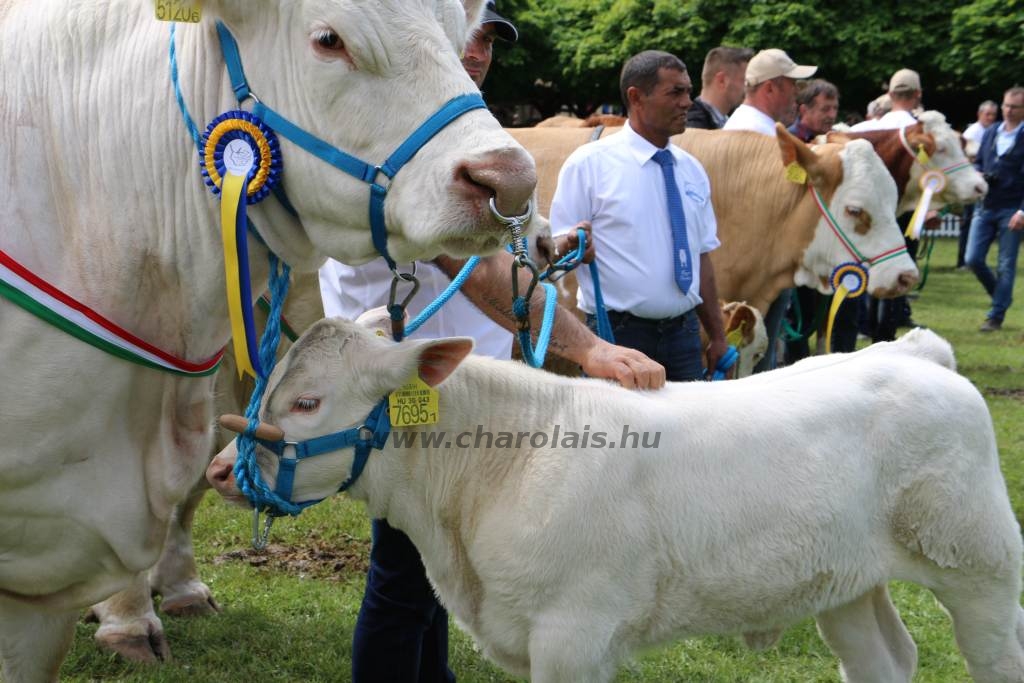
x,y
772,232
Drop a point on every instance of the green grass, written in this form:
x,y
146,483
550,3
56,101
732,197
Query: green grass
x,y
296,625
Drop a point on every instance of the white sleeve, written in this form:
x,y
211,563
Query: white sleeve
x,y
571,203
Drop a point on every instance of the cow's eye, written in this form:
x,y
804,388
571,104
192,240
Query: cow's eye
x,y
327,39
854,211
305,405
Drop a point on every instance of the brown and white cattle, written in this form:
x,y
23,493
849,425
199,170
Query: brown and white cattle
x,y
772,233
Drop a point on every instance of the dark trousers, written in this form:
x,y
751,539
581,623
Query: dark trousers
x,y
401,634
965,231
886,315
673,342
814,307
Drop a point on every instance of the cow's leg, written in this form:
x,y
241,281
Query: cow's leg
x,y
572,651
869,639
129,626
989,626
175,576
33,643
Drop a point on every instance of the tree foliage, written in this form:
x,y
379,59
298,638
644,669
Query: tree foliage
x,y
570,51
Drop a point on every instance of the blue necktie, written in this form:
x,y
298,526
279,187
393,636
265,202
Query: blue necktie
x,y
683,266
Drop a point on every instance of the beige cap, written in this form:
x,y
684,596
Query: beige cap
x,y
905,80
772,63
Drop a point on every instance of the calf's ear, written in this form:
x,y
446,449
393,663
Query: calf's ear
x,y
438,358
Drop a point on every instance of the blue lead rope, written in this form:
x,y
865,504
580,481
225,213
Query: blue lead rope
x,y
570,262
444,296
247,471
534,355
724,363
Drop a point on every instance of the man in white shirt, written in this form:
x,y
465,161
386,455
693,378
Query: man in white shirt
x,y
987,113
770,83
655,283
401,633
905,95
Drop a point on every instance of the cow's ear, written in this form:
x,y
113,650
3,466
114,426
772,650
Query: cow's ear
x,y
921,140
794,150
474,11
743,319
438,358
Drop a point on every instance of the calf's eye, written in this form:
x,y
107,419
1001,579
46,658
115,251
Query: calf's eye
x,y
329,40
305,405
854,211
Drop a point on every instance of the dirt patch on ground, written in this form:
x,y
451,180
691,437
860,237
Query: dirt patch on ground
x,y
1017,394
316,558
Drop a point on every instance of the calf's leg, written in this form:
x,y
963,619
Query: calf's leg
x,y
989,626
33,643
869,639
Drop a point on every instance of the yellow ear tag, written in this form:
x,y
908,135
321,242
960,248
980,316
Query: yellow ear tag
x,y
795,173
179,10
922,155
413,403
735,337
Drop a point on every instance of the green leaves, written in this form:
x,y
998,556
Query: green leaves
x,y
578,46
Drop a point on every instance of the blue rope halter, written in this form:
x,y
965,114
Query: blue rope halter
x,y
246,468
357,168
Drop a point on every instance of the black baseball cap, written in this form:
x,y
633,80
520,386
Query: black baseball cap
x,y
502,26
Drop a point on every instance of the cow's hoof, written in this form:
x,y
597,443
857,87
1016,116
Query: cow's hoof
x,y
150,647
189,606
194,599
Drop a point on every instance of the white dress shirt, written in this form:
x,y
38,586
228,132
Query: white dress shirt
x,y
616,185
348,291
975,132
750,118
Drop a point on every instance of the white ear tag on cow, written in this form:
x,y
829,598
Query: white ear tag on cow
x,y
179,10
795,173
413,403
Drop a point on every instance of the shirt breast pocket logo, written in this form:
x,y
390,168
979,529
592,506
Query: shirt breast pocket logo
x,y
695,194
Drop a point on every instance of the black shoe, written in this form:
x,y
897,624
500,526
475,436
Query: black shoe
x,y
991,325
910,322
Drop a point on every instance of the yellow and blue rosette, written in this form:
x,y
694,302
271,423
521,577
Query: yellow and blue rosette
x,y
849,280
241,162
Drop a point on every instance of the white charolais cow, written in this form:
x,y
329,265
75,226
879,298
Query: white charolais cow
x,y
101,198
562,559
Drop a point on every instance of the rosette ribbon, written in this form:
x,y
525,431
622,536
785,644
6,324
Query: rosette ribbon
x,y
241,162
849,280
932,183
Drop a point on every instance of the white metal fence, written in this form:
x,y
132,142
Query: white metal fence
x,y
950,226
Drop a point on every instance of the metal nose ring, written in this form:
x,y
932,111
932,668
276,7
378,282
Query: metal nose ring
x,y
511,220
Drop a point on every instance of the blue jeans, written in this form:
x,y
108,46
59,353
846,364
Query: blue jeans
x,y
401,634
673,342
773,327
987,227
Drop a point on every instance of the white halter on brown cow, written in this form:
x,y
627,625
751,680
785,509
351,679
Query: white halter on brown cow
x,y
105,219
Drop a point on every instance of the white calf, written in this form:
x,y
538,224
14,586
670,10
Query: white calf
x,y
730,507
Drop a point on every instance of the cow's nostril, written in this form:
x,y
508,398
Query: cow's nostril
x,y
508,175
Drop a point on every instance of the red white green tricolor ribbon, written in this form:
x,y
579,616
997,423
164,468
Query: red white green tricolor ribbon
x,y
42,299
